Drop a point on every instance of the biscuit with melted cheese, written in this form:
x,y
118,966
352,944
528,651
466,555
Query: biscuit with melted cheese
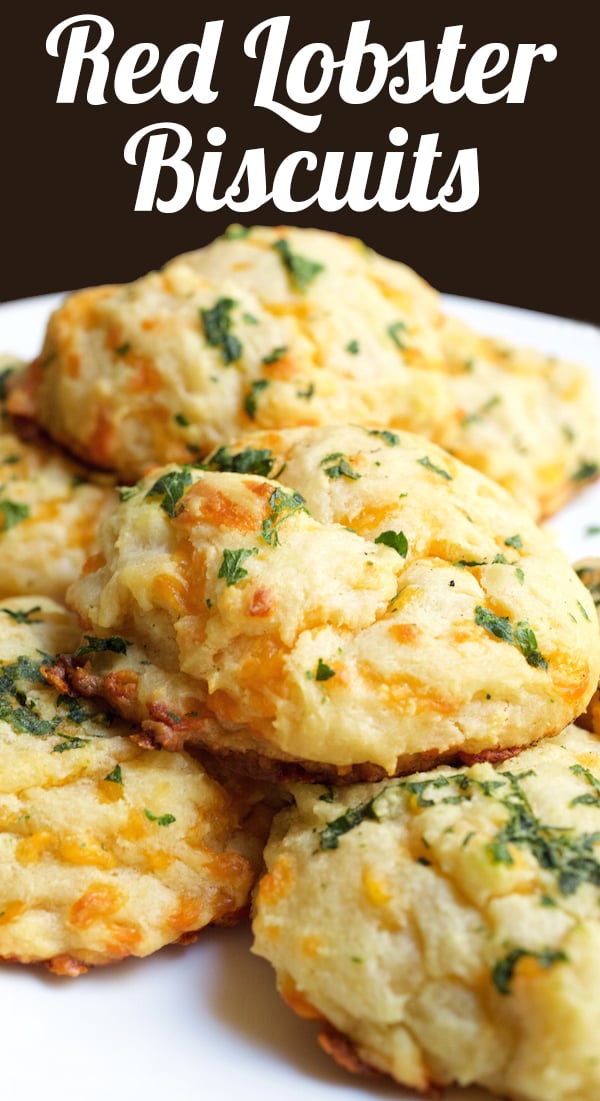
x,y
275,327
107,850
446,928
50,508
370,607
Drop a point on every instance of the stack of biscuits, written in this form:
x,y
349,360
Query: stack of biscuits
x,y
279,633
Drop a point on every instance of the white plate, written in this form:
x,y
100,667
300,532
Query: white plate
x,y
205,1021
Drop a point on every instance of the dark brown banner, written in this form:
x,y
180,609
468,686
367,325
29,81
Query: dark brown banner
x,y
457,137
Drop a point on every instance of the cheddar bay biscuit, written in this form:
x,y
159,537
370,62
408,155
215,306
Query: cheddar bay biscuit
x,y
276,327
529,421
369,607
446,928
50,508
106,850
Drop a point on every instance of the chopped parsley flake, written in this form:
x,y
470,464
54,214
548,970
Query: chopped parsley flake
x,y
473,418
520,575
217,330
182,420
21,669
394,330
250,319
70,743
231,567
275,355
77,714
394,539
520,636
339,466
282,506
23,616
591,798
583,611
329,837
23,718
323,671
249,461
236,232
302,271
160,819
114,644
171,487
250,399
427,463
585,471
123,349
353,347
503,970
308,393
116,776
11,514
514,541
388,437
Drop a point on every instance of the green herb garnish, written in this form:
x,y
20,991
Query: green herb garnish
x,y
160,819
585,470
591,798
275,355
114,644
282,506
171,488
427,463
503,970
12,513
520,636
250,399
231,567
23,616
116,776
394,539
249,461
388,437
236,232
394,330
339,466
302,271
217,330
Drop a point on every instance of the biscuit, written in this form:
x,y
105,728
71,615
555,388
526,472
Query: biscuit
x,y
50,508
107,850
277,327
371,607
446,928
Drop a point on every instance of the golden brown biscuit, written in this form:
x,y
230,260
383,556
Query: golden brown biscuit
x,y
377,608
446,928
106,850
527,420
276,327
50,508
